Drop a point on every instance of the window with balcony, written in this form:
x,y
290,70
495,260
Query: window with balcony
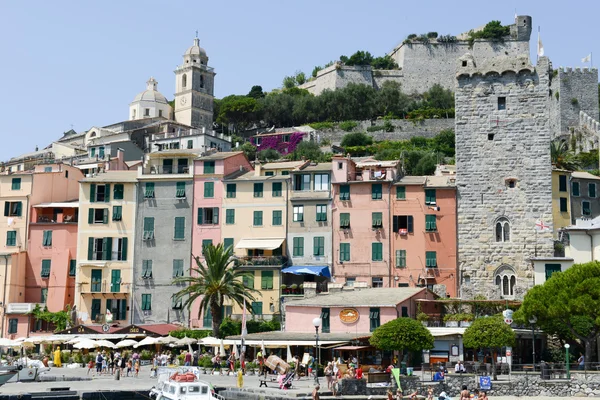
x,y
277,220
96,282
430,197
177,268
276,189
180,190
47,239
46,264
148,228
11,238
400,258
146,302
345,220
344,192
248,279
13,208
319,246
182,164
209,190
230,216
376,251
117,214
16,184
374,320
376,191
431,259
302,182
377,220
298,247
400,192
99,248
96,312
115,281
208,216
402,224
231,190
321,182
118,191
72,267
266,280
146,269
179,228
298,214
344,252
321,212
325,323
99,193
258,218
258,190
430,223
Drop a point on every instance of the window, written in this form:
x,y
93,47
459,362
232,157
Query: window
x,y
431,259
11,238
146,269
591,190
146,302
16,184
146,112
302,182
206,242
258,218
376,220
180,190
345,220
230,216
120,249
209,190
586,208
277,217
190,144
402,224
376,191
374,318
148,228
13,324
99,193
562,183
72,267
501,103
160,113
321,182
404,312
340,165
12,209
551,268
563,204
506,280
258,190
276,189
401,192
298,214
344,252
178,268
47,239
44,295
208,216
321,212
285,172
176,303
179,232
266,280
96,282
115,281
99,248
257,308
376,282
248,279
207,318
95,309
184,80
118,308
502,230
46,264
319,246
98,216
376,251
400,258
344,192
430,197
149,192
227,242
231,190
269,173
575,189
325,325
350,281
430,223
298,247
118,191
93,153
117,214
101,152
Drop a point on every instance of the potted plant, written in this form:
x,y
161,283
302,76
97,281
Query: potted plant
x,y
466,320
294,287
450,320
424,318
284,289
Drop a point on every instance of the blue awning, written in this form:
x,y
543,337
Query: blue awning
x,y
320,270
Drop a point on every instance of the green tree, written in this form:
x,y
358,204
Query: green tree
x,y
317,68
59,319
300,77
438,97
256,92
309,151
289,82
268,155
444,142
489,333
249,150
358,58
230,327
391,101
426,165
213,282
356,139
402,334
567,305
385,62
561,157
240,111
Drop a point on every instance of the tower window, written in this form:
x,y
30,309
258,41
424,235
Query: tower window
x,y
502,230
501,103
464,63
506,281
160,113
201,81
490,136
146,112
184,80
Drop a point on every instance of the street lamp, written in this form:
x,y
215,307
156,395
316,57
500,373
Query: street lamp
x,y
317,324
567,345
532,321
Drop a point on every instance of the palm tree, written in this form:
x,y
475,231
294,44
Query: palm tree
x,y
214,281
562,157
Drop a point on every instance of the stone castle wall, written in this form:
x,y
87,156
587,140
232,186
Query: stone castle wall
x,y
493,148
578,91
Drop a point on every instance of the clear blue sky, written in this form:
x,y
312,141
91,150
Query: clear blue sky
x,y
82,62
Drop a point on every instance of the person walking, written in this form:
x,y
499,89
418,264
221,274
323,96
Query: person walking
x,y
231,361
581,361
187,359
98,363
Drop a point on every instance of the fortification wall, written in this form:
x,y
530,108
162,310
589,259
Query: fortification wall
x,y
578,91
339,76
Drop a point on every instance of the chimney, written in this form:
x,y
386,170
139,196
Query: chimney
x,y
257,168
310,290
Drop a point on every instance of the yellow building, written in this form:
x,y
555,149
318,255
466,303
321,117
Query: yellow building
x,y
561,199
107,209
254,222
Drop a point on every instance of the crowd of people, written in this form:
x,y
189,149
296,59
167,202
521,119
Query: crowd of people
x,y
113,362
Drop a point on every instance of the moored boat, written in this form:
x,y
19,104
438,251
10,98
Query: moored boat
x,y
184,387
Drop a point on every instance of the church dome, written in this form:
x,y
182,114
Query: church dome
x,y
151,94
195,49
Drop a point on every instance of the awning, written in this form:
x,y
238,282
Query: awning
x,y
72,204
320,270
352,348
261,244
86,166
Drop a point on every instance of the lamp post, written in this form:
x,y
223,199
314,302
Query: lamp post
x,y
317,324
567,345
532,321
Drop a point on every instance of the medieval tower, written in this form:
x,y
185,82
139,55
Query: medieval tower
x,y
503,173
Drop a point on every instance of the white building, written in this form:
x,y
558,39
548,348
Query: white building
x,y
150,103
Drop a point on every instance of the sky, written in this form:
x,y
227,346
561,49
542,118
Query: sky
x,y
79,64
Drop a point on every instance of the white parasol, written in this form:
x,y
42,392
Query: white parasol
x,y
185,341
234,350
86,344
209,341
4,342
290,358
147,341
222,348
167,340
105,343
126,343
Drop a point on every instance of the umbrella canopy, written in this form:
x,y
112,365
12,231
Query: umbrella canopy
x,y
289,354
185,341
75,340
105,343
4,342
167,340
86,344
147,341
126,343
209,341
235,351
222,348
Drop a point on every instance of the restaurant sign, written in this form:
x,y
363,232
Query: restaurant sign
x,y
349,315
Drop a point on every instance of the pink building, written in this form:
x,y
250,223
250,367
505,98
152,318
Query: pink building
x,y
424,233
209,191
361,221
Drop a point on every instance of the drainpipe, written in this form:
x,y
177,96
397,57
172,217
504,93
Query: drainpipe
x,y
4,294
131,301
587,232
391,254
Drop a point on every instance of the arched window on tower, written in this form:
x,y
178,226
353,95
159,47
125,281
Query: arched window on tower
x,y
184,80
202,81
502,230
506,281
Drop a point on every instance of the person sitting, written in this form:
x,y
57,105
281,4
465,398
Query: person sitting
x,y
459,368
351,374
439,376
359,373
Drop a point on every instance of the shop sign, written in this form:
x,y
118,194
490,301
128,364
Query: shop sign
x,y
349,315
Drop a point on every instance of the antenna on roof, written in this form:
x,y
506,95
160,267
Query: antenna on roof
x,y
196,33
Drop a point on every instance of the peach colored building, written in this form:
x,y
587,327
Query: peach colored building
x,y
361,220
423,234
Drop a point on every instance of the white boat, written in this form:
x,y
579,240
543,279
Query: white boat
x,y
174,390
6,373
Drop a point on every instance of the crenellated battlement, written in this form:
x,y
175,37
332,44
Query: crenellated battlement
x,y
585,121
577,70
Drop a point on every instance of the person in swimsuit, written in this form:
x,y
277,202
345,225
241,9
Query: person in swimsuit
x,y
465,394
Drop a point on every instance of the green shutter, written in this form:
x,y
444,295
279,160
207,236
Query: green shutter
x,y
16,184
46,264
6,208
231,190
344,252
118,191
258,190
374,319
149,192
257,308
124,249
107,193
72,267
92,193
146,302
215,215
430,196
96,283
325,326
179,233
230,216
344,192
178,268
117,213
90,248
551,269
107,247
376,191
105,216
400,258
276,190
376,220
146,269
258,218
575,188
430,223
11,238
591,189
376,251
298,247
266,280
209,189
115,281
401,192
91,216
319,246
209,167
200,215
148,228
227,242
344,220
277,217
19,209
248,279
430,259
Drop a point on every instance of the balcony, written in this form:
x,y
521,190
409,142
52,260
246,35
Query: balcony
x,y
261,261
21,308
104,286
167,170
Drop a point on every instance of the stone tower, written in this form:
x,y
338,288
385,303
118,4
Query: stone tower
x,y
503,174
194,95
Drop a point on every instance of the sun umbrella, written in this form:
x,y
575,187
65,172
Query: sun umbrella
x,y
4,342
209,341
105,343
75,340
126,343
86,344
167,340
262,347
147,341
185,341
222,348
234,350
289,354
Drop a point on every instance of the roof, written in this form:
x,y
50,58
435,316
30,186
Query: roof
x,y
251,176
412,180
378,297
69,204
195,49
219,155
113,176
278,335
372,163
169,152
584,175
133,163
151,94
584,225
441,181
315,168
282,165
551,259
